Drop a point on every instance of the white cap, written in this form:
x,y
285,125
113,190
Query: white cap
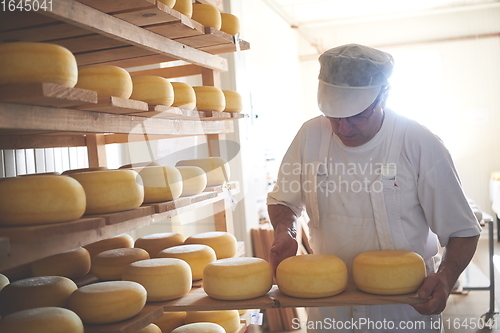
x,y
350,79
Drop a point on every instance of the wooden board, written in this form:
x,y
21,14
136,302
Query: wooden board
x,y
183,28
116,105
160,13
149,314
119,217
109,6
161,207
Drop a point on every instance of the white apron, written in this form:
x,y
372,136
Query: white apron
x,y
336,233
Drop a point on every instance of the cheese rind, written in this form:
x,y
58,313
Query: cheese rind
x,y
151,328
198,256
194,180
109,265
161,183
230,23
154,90
228,319
72,264
207,15
154,243
170,320
106,80
234,102
224,243
42,320
200,328
169,3
184,95
184,7
216,168
3,281
116,242
209,98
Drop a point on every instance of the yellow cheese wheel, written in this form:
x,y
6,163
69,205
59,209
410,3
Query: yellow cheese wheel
x,y
184,7
200,328
107,302
388,272
234,102
3,281
184,95
116,242
207,15
194,180
209,98
25,62
224,244
495,175
237,278
35,292
228,319
156,242
106,80
109,265
163,278
42,320
110,191
151,328
71,264
170,320
198,256
139,165
68,172
161,183
154,90
40,200
312,276
230,23
216,169
169,3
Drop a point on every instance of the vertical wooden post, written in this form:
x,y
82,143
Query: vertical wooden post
x,y
96,150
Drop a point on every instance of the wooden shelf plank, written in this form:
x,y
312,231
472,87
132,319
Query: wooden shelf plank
x,y
156,14
148,314
183,28
116,105
109,6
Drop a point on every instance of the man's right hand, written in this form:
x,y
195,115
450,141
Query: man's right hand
x,y
284,246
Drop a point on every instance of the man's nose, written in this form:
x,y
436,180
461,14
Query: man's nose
x,y
344,126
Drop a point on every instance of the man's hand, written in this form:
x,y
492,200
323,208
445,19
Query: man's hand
x,y
437,289
284,246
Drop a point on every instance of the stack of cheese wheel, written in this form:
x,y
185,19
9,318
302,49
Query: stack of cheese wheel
x,y
388,272
161,183
110,191
224,243
205,327
25,62
198,256
154,243
68,172
154,90
106,80
36,292
40,200
237,279
71,264
4,280
170,320
151,328
184,95
46,319
194,180
116,242
209,98
228,319
234,102
230,24
207,15
107,302
216,169
110,264
163,278
312,276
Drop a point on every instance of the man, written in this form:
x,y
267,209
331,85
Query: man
x,y
372,180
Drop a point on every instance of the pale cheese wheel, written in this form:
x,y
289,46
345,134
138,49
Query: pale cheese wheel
x,y
163,278
388,272
234,102
151,328
224,243
237,278
198,256
108,302
3,281
228,319
116,242
169,3
106,80
200,328
26,62
42,320
72,264
207,15
194,180
68,172
161,183
312,276
230,24
156,242
40,200
209,98
36,292
154,90
216,168
184,95
110,191
184,7
109,265
170,321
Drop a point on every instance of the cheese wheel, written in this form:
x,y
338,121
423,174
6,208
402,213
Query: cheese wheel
x,y
228,319
209,98
216,169
198,256
116,242
233,101
237,278
224,244
184,7
163,278
71,264
495,175
170,320
388,272
200,328
154,243
107,302
3,281
154,90
42,320
151,328
106,80
207,15
139,165
110,191
169,3
311,276
161,183
40,200
194,180
230,24
35,292
26,62
55,173
68,172
184,95
109,265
